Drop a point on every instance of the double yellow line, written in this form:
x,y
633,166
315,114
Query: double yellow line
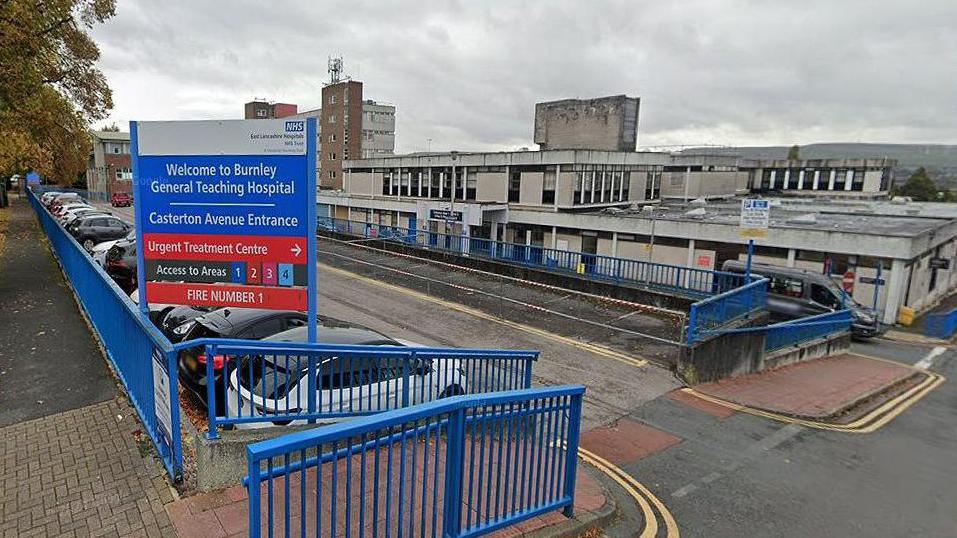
x,y
591,348
646,500
869,423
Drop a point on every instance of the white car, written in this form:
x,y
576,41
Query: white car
x,y
66,216
101,249
262,385
48,196
67,207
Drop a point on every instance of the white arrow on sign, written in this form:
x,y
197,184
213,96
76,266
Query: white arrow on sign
x,y
296,250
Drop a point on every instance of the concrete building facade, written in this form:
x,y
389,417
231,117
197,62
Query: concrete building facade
x,y
109,168
629,205
604,123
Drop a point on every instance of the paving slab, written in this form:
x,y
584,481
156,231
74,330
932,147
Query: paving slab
x,y
818,389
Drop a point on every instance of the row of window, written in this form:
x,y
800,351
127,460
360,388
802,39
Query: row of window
x,y
601,187
824,179
438,184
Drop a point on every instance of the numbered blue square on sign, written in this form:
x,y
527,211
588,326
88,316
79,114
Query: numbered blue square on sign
x,y
237,272
286,273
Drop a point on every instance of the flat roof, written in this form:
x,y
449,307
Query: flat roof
x,y
111,135
872,218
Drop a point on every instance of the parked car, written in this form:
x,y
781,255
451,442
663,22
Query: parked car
x,y
240,323
797,293
91,230
63,209
261,385
68,220
121,199
66,212
47,196
100,250
65,198
121,264
179,317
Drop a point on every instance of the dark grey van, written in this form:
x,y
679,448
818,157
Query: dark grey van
x,y
797,293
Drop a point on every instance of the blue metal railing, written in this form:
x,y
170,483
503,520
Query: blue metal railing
x,y
720,310
460,467
797,331
264,383
941,325
137,351
686,280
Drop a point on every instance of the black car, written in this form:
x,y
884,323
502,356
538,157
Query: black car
x,y
94,229
175,321
121,264
240,323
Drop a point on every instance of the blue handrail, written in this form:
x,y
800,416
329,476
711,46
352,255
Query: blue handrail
x,y
463,466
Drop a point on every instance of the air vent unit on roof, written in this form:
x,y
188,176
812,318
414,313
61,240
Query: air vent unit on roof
x,y
699,201
697,212
647,208
807,218
901,200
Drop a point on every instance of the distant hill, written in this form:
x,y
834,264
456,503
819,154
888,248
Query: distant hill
x,y
939,159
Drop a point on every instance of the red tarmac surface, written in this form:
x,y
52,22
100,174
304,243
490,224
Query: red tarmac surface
x,y
818,388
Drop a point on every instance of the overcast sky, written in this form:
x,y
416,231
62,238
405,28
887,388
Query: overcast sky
x,y
467,74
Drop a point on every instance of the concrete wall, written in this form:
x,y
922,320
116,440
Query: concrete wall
x,y
565,193
607,123
531,188
702,184
491,187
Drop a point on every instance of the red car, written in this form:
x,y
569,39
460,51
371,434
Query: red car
x,y
121,199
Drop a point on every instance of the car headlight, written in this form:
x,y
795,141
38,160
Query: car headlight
x,y
184,328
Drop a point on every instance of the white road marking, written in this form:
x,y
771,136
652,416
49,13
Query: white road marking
x,y
756,449
928,360
684,490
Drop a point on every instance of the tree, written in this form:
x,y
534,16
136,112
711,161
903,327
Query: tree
x,y
111,128
794,154
50,87
920,187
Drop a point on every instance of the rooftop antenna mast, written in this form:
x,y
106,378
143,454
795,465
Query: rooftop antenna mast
x,y
335,70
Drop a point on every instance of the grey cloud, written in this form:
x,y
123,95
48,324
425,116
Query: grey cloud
x,y
467,74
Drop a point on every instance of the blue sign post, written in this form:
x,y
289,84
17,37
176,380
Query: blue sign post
x,y
226,213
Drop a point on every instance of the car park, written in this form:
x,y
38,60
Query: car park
x,y
91,230
262,385
63,199
238,323
121,199
796,293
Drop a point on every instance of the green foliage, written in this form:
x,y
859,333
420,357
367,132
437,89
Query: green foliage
x,y
794,154
50,87
921,187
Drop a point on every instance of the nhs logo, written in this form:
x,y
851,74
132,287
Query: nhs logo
x,y
295,126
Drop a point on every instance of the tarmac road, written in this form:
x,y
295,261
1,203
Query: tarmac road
x,y
750,476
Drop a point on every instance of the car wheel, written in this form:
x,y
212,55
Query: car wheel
x,y
88,244
454,390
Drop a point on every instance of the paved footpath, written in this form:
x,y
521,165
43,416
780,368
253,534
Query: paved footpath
x,y
73,460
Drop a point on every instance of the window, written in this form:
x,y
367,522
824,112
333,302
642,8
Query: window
x,y
332,118
261,113
332,99
514,186
824,296
548,187
788,287
471,182
332,137
332,174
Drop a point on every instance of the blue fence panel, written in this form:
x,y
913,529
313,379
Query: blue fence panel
x,y
130,340
686,280
797,331
460,467
941,325
265,383
724,308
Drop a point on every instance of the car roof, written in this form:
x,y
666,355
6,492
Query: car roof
x,y
231,319
334,331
